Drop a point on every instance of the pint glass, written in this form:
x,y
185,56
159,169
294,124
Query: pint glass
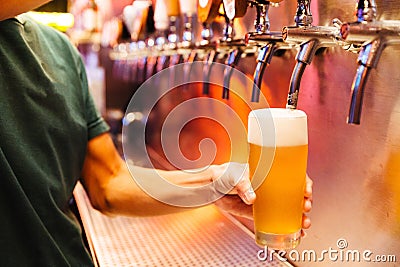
x,y
278,162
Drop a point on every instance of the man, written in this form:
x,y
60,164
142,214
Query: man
x,y
51,135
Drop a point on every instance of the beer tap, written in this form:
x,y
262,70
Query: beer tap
x,y
208,10
186,49
151,56
188,8
161,24
310,38
173,12
136,18
234,47
270,42
374,37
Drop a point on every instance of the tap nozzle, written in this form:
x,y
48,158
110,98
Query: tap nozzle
x,y
232,62
263,59
208,64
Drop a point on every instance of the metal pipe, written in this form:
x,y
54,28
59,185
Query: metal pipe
x,y
357,89
294,87
263,59
208,64
232,61
233,9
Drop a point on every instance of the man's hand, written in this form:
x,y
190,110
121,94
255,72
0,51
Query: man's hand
x,y
233,178
235,174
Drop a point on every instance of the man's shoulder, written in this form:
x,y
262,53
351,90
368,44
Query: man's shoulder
x,y
43,31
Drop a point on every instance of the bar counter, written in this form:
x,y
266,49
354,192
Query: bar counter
x,y
200,237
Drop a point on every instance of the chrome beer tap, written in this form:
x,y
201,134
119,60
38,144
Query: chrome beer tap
x,y
171,49
151,56
132,17
186,47
161,24
208,10
173,12
235,48
310,38
374,36
270,42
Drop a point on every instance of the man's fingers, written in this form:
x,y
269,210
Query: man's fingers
x,y
307,204
309,185
306,222
245,191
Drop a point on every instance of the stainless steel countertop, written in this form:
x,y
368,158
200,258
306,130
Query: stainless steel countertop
x,y
201,237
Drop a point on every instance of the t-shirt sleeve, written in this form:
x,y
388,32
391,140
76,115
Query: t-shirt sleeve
x,y
96,124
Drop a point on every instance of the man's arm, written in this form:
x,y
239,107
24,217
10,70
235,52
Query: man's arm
x,y
112,189
11,8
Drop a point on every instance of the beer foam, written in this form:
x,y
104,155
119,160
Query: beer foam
x,y
272,127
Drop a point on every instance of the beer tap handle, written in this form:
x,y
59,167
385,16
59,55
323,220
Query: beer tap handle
x,y
366,10
232,62
208,10
161,23
303,15
235,8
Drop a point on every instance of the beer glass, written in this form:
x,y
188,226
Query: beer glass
x,y
277,161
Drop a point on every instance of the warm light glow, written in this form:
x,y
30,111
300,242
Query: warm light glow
x,y
59,21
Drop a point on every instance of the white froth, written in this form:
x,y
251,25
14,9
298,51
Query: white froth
x,y
272,127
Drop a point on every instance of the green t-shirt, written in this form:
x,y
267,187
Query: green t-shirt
x,y
47,117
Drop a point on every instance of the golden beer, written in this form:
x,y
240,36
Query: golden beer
x,y
278,162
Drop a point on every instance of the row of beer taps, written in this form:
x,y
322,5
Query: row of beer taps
x,y
163,47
